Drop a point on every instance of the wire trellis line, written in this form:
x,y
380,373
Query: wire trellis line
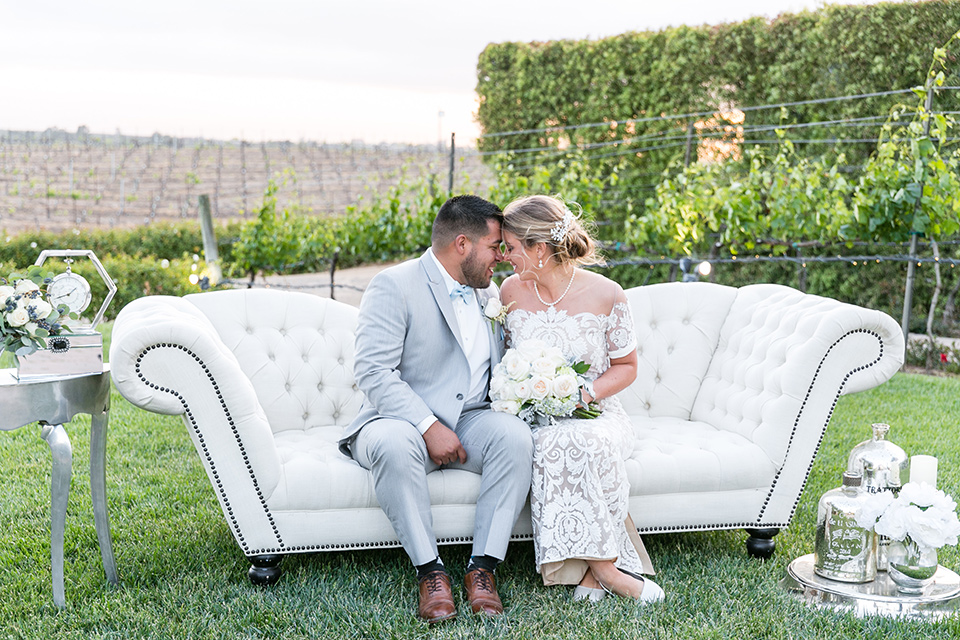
x,y
803,261
700,114
719,130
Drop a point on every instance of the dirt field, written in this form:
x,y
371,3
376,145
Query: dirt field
x,y
62,182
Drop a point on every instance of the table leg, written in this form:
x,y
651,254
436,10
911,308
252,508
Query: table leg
x,y
98,490
62,452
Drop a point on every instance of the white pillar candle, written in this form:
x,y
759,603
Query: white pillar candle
x,y
923,469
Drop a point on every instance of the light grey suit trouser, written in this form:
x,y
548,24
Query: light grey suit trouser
x,y
499,446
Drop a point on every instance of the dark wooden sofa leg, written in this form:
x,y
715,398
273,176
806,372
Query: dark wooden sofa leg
x,y
761,544
265,570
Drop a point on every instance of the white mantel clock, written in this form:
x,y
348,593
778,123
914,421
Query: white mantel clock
x,y
73,290
70,289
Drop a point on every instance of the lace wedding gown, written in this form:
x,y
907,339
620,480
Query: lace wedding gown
x,y
580,489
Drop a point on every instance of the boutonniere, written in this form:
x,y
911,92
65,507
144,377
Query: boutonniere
x,y
496,312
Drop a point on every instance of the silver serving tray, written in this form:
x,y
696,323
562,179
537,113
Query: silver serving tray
x,y
939,599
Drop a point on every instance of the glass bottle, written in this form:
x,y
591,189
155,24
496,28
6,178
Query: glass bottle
x,y
873,484
889,461
843,550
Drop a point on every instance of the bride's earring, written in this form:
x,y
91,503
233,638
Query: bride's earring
x,y
541,263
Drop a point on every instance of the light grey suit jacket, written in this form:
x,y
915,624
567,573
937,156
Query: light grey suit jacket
x,y
409,360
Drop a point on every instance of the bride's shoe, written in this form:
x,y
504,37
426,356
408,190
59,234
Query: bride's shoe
x,y
652,592
587,593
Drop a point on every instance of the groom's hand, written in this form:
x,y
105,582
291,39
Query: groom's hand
x,y
443,445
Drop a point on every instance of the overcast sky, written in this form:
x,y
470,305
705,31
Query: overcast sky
x,y
376,70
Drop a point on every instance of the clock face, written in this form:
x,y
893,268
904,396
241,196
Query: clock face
x,y
69,289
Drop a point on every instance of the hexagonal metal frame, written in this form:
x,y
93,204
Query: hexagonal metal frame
x,y
85,253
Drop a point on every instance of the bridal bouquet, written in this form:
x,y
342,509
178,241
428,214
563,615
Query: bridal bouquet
x,y
26,315
536,383
920,515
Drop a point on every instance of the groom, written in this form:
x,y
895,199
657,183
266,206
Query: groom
x,y
423,357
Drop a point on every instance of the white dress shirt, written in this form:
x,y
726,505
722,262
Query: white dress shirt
x,y
476,343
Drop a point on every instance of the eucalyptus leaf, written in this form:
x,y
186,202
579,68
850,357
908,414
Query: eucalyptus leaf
x,y
25,350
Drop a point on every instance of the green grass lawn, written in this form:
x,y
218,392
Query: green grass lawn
x,y
182,575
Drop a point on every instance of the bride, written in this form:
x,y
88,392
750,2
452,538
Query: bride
x,y
583,533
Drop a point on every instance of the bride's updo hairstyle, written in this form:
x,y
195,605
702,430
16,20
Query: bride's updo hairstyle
x,y
535,219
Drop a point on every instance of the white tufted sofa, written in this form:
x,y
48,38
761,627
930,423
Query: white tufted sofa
x,y
734,392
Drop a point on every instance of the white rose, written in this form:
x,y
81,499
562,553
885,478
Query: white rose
x,y
42,308
516,365
23,286
893,522
496,386
18,317
523,389
5,292
565,386
873,508
492,308
539,387
927,530
532,349
31,328
544,366
951,528
506,406
944,502
503,388
555,354
920,494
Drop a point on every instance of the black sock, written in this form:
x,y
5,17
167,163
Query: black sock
x,y
483,562
434,565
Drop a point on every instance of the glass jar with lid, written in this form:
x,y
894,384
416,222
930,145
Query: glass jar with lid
x,y
889,461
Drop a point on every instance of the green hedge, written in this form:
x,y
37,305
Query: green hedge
x,y
835,51
153,259
170,241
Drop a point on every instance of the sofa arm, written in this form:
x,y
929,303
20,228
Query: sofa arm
x,y
783,360
167,358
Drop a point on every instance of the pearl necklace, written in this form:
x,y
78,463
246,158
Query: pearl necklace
x,y
557,301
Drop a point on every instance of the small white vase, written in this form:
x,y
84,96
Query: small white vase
x,y
910,566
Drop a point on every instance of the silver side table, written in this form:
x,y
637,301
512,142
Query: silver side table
x,y
53,402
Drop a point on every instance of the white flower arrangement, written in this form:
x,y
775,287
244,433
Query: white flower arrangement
x,y
536,383
496,312
27,317
919,513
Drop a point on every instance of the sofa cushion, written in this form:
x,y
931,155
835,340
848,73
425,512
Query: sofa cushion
x,y
316,476
678,327
296,349
673,456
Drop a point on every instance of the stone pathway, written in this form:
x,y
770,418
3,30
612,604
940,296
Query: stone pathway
x,y
922,337
349,284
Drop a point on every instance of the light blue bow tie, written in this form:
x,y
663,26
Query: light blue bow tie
x,y
463,292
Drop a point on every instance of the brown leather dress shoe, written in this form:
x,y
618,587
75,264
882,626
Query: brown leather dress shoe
x,y
482,592
436,598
